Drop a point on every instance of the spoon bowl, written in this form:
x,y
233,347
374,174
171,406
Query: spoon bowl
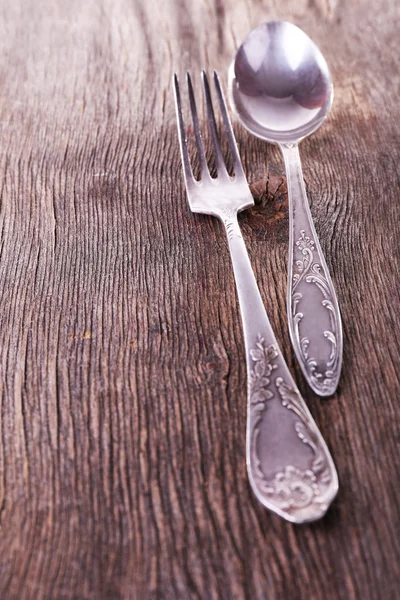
x,y
280,85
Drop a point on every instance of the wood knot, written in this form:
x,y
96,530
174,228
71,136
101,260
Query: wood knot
x,y
270,196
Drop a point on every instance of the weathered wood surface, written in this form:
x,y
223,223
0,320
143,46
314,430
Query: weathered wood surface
x,y
122,374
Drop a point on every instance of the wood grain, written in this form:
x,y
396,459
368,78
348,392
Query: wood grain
x,y
122,374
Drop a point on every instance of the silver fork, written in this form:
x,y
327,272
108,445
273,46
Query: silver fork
x,y
289,465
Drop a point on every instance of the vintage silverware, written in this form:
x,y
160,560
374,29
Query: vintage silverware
x,y
281,90
289,465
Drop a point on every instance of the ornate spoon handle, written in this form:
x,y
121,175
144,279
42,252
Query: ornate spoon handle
x,y
313,311
289,465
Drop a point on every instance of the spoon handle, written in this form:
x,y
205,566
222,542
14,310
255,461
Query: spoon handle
x,y
313,312
289,465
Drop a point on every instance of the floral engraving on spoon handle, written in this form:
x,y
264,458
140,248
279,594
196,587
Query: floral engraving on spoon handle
x,y
311,272
293,490
313,312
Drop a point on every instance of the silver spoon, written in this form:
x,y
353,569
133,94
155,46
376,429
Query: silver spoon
x,y
281,91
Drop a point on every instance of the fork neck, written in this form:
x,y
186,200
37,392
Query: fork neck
x,y
251,305
229,218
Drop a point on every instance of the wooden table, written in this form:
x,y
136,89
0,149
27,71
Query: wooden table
x,y
122,373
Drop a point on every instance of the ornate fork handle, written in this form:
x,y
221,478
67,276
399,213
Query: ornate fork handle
x,y
313,311
289,465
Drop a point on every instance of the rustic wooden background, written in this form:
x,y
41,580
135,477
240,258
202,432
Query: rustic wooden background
x,y
122,374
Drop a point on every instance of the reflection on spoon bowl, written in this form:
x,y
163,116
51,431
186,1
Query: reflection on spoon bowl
x,y
280,84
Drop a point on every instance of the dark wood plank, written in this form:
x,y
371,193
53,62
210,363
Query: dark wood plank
x,y
122,375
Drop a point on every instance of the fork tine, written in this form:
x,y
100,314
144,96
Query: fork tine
x,y
197,134
237,163
213,127
187,170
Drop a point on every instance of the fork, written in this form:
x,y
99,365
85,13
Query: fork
x,y
289,465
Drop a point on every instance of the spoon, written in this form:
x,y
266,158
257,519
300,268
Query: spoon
x,y
281,91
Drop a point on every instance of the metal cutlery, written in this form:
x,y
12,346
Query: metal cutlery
x,y
281,91
289,465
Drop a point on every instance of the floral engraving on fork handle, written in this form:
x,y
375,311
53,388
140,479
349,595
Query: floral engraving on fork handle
x,y
291,489
312,272
229,219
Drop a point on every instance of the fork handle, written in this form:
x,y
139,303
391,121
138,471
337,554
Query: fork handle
x,y
289,465
313,311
